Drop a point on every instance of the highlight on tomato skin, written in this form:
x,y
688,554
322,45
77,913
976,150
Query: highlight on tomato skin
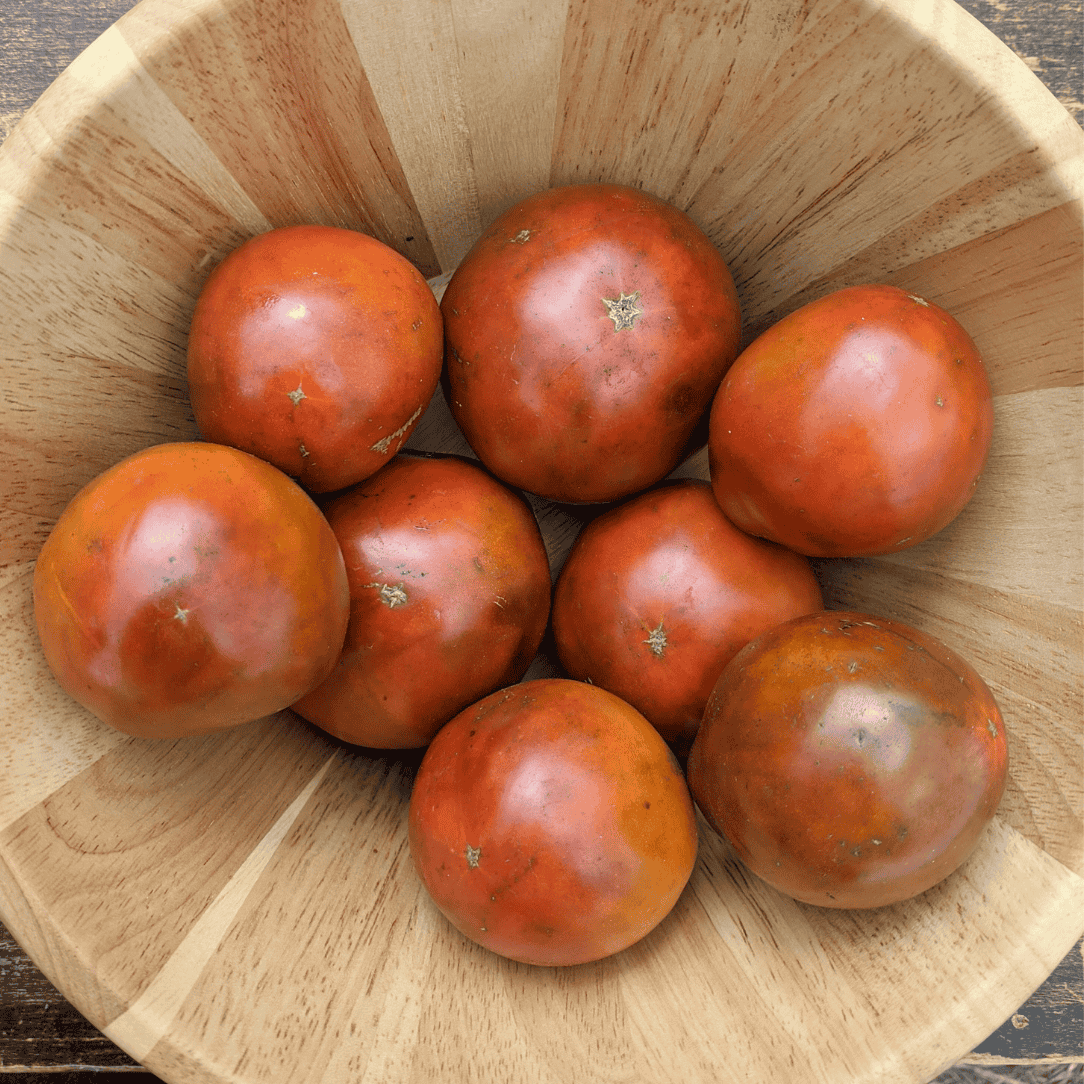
x,y
856,425
852,761
189,588
449,599
551,824
657,594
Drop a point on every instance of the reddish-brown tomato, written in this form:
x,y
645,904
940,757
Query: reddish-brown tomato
x,y
852,761
659,593
586,332
189,588
450,593
858,424
317,349
551,824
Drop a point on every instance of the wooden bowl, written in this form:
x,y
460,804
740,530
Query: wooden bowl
x,y
242,908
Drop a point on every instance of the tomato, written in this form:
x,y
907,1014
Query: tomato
x,y
656,595
317,349
189,588
551,824
450,594
586,332
857,425
850,760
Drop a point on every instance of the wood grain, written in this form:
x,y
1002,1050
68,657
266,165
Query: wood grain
x,y
242,908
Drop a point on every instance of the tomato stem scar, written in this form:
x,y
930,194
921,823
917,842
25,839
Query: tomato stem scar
x,y
656,640
296,395
391,595
622,310
473,854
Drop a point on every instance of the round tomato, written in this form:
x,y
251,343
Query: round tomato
x,y
856,425
586,332
850,760
189,588
551,824
317,349
658,594
449,597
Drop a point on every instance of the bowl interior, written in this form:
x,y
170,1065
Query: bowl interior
x,y
242,907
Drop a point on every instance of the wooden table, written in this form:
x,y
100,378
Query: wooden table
x,y
44,1040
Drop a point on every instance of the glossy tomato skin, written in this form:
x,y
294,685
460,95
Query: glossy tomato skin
x,y
316,348
551,824
857,425
585,334
450,595
659,593
189,588
852,761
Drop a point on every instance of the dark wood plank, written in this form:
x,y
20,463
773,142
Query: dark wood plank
x,y
1048,35
38,1027
80,1075
38,39
1051,1023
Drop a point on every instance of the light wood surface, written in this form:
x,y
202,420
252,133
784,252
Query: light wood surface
x,y
242,908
